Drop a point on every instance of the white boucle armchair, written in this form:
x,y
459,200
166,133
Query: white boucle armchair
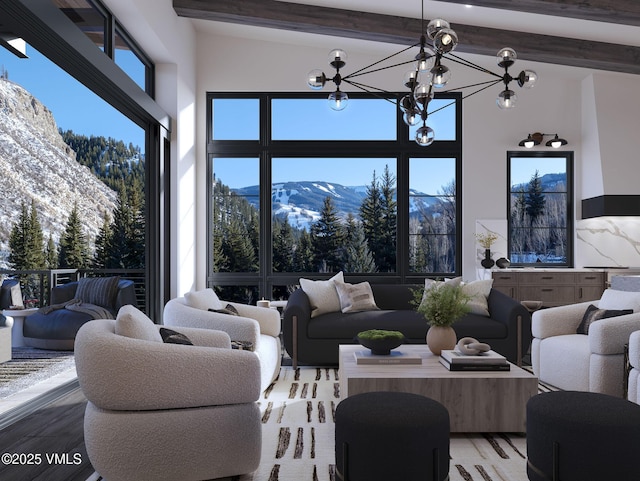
x,y
579,362
166,411
257,325
633,387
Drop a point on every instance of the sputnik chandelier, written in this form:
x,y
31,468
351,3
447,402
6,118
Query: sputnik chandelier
x,y
428,75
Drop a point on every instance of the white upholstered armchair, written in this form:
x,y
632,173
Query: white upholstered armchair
x,y
633,387
258,326
593,362
166,411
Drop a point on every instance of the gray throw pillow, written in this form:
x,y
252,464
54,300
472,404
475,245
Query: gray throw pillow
x,y
101,291
593,314
170,336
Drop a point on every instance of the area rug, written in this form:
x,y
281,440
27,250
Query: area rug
x,y
298,435
29,366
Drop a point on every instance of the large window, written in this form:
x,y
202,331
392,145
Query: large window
x,y
297,188
540,208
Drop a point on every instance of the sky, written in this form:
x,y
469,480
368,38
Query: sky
x,y
523,168
74,106
312,119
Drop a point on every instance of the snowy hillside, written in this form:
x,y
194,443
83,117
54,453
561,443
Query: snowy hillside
x,y
36,164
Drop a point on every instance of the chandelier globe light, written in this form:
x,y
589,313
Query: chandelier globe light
x,y
427,75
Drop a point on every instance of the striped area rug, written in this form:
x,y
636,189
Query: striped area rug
x,y
298,436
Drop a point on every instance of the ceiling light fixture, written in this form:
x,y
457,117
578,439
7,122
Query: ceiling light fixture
x,y
536,139
428,74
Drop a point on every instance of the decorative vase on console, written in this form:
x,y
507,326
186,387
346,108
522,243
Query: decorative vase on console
x,y
441,304
485,240
487,262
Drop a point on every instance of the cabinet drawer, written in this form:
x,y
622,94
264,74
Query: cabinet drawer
x,y
549,295
511,291
590,278
546,278
504,279
588,293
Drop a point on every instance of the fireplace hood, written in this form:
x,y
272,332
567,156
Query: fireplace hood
x,y
611,205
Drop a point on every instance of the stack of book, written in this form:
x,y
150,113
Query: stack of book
x,y
487,361
395,357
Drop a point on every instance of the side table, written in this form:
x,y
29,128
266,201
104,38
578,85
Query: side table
x,y
5,344
15,320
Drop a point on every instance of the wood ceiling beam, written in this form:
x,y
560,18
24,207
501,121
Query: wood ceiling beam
x,y
406,31
623,12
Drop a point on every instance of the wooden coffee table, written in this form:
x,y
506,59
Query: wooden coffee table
x,y
477,401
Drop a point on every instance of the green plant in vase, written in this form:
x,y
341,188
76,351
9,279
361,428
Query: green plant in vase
x,y
441,305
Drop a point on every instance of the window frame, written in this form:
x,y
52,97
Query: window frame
x,y
570,193
402,149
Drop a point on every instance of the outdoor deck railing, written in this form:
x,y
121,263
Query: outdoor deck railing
x,y
36,284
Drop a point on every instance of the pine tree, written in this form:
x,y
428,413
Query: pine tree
x,y
51,254
122,219
18,240
303,255
535,199
103,243
136,234
283,246
35,243
371,214
386,254
239,249
327,239
358,257
74,247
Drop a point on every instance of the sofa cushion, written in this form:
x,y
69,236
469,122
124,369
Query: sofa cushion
x,y
132,322
322,295
204,299
593,314
480,327
101,291
394,296
614,299
355,297
336,325
170,336
478,291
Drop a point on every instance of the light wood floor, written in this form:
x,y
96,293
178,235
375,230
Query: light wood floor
x,y
54,430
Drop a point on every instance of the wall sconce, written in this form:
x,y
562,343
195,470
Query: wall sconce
x,y
536,139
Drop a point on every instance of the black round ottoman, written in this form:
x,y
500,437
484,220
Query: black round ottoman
x,y
387,436
582,436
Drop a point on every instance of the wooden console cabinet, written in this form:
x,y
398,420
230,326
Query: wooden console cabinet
x,y
552,287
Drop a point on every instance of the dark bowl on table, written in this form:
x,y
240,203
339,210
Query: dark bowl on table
x,y
381,347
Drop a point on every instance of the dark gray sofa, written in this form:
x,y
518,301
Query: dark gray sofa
x,y
314,341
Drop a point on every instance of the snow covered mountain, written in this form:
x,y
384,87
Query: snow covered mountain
x,y
35,164
301,202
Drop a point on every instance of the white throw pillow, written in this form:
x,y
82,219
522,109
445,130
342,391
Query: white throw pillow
x,y
132,322
430,283
478,291
205,299
322,295
454,281
355,297
614,299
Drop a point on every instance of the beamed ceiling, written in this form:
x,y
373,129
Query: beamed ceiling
x,y
601,15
